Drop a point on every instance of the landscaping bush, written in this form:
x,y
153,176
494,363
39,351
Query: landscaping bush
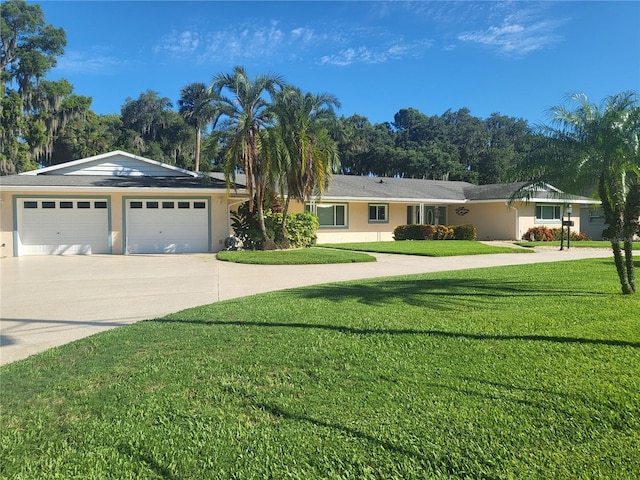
x,y
464,232
423,232
442,232
546,234
301,227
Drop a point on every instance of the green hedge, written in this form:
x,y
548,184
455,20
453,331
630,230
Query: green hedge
x,y
434,232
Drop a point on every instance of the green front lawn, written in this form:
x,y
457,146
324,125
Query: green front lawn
x,y
517,372
429,248
303,256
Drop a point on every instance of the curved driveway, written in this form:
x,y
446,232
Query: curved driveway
x,y
50,301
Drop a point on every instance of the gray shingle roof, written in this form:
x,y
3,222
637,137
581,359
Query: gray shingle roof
x,y
385,188
110,181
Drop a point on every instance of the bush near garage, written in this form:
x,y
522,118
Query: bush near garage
x,y
301,227
432,232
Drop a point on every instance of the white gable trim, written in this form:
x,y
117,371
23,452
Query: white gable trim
x,y
105,156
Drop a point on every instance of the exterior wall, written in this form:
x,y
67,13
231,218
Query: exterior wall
x,y
359,229
497,221
493,221
6,225
592,222
218,214
528,219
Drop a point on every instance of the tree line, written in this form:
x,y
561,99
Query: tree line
x,y
44,123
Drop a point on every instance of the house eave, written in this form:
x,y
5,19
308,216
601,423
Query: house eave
x,y
439,201
124,190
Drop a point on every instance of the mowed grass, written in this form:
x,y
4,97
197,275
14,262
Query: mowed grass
x,y
516,372
303,256
429,248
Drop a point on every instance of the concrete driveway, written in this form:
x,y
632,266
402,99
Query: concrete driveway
x,y
50,301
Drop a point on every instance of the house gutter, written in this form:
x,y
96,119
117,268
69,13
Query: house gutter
x,y
517,222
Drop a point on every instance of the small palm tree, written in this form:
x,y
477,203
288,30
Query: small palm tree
x,y
198,109
304,154
243,104
598,148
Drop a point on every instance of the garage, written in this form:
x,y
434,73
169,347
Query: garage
x,y
167,225
62,226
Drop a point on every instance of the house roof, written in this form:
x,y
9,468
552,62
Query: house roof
x,y
122,170
115,163
348,187
113,170
86,181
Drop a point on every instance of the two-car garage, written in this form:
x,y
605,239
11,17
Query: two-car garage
x,y
84,225
114,203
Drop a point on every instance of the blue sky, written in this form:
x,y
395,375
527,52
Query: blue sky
x,y
516,58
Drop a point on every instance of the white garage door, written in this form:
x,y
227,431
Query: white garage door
x,y
167,225
62,226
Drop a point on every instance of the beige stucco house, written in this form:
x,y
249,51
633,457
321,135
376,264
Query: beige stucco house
x,y
120,203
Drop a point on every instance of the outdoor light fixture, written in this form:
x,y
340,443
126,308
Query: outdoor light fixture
x,y
569,210
566,223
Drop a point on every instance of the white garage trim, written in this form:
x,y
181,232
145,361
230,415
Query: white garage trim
x,y
166,224
61,224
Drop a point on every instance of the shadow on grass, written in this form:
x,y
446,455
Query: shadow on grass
x,y
146,458
407,331
439,293
443,462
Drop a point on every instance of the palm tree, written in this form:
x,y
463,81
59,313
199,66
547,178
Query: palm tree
x,y
243,105
598,148
304,154
198,110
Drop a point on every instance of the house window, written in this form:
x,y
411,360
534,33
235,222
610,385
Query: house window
x,y
104,204
198,205
135,205
48,204
66,204
330,215
183,205
378,213
548,213
84,204
152,204
167,205
29,204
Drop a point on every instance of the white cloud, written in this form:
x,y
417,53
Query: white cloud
x,y
374,55
519,32
89,63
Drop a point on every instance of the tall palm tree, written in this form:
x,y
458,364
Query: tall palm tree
x,y
304,154
196,105
243,104
598,148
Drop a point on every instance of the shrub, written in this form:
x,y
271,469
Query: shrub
x,y
423,232
443,232
301,229
546,234
464,232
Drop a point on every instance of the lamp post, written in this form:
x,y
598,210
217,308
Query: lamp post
x,y
562,231
569,210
